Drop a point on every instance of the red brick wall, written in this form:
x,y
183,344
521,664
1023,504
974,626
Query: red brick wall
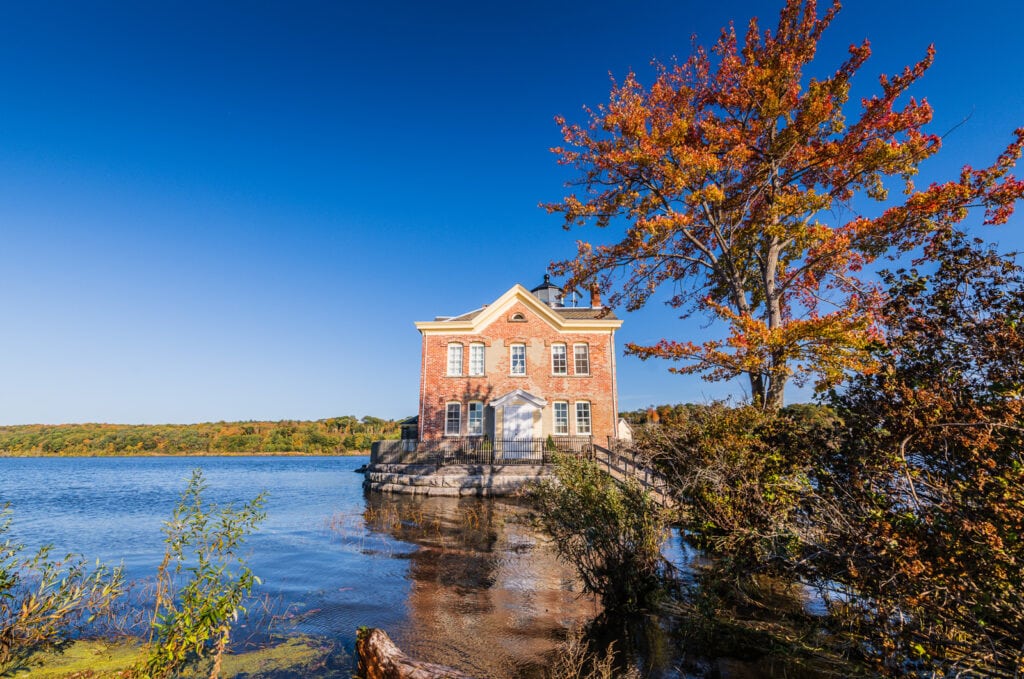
x,y
437,388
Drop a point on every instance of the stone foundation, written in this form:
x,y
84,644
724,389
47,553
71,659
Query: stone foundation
x,y
477,480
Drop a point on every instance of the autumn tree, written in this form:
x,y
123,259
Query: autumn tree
x,y
728,173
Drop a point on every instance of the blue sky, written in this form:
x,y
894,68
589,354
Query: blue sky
x,y
237,210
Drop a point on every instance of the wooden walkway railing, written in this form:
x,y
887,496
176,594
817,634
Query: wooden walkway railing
x,y
625,464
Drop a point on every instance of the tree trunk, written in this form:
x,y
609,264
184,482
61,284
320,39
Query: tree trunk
x,y
757,393
773,316
379,658
776,392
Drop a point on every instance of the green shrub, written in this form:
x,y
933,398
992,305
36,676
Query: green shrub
x,y
741,477
928,486
43,601
612,533
193,621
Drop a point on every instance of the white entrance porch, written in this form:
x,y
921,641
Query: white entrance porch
x,y
520,422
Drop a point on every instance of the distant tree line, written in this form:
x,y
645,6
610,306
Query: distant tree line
x,y
333,435
662,414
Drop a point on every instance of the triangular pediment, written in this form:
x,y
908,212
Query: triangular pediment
x,y
519,395
518,295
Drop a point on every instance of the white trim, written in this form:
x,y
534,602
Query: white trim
x,y
425,358
521,394
615,387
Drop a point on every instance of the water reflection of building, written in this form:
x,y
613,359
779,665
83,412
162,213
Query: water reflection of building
x,y
488,595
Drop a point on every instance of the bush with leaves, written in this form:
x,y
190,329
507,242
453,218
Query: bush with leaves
x,y
926,494
192,620
46,601
740,476
611,532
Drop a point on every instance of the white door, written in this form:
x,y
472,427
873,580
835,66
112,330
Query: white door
x,y
517,423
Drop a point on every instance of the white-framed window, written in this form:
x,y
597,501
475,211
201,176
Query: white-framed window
x,y
517,359
559,362
581,359
583,418
475,419
455,359
561,423
453,419
476,359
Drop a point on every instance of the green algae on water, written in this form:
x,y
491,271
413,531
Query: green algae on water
x,y
97,659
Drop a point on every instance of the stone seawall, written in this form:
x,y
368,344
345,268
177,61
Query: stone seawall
x,y
478,480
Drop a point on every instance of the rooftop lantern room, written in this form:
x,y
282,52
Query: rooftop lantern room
x,y
548,292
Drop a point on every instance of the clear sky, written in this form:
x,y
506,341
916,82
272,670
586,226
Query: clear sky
x,y
214,210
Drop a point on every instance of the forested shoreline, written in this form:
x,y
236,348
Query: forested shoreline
x,y
331,436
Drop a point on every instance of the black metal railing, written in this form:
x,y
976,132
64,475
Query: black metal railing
x,y
483,450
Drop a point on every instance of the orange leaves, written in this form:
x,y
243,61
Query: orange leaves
x,y
724,173
824,346
913,223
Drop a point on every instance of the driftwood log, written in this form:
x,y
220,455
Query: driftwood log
x,y
379,658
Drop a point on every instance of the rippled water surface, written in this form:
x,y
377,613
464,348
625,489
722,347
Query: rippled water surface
x,y
461,582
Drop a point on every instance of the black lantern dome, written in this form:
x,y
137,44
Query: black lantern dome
x,y
548,292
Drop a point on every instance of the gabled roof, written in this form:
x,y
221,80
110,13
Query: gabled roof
x,y
579,313
568,319
468,316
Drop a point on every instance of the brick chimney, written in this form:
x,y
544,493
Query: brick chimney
x,y
595,296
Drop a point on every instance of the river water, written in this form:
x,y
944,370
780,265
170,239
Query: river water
x,y
463,582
